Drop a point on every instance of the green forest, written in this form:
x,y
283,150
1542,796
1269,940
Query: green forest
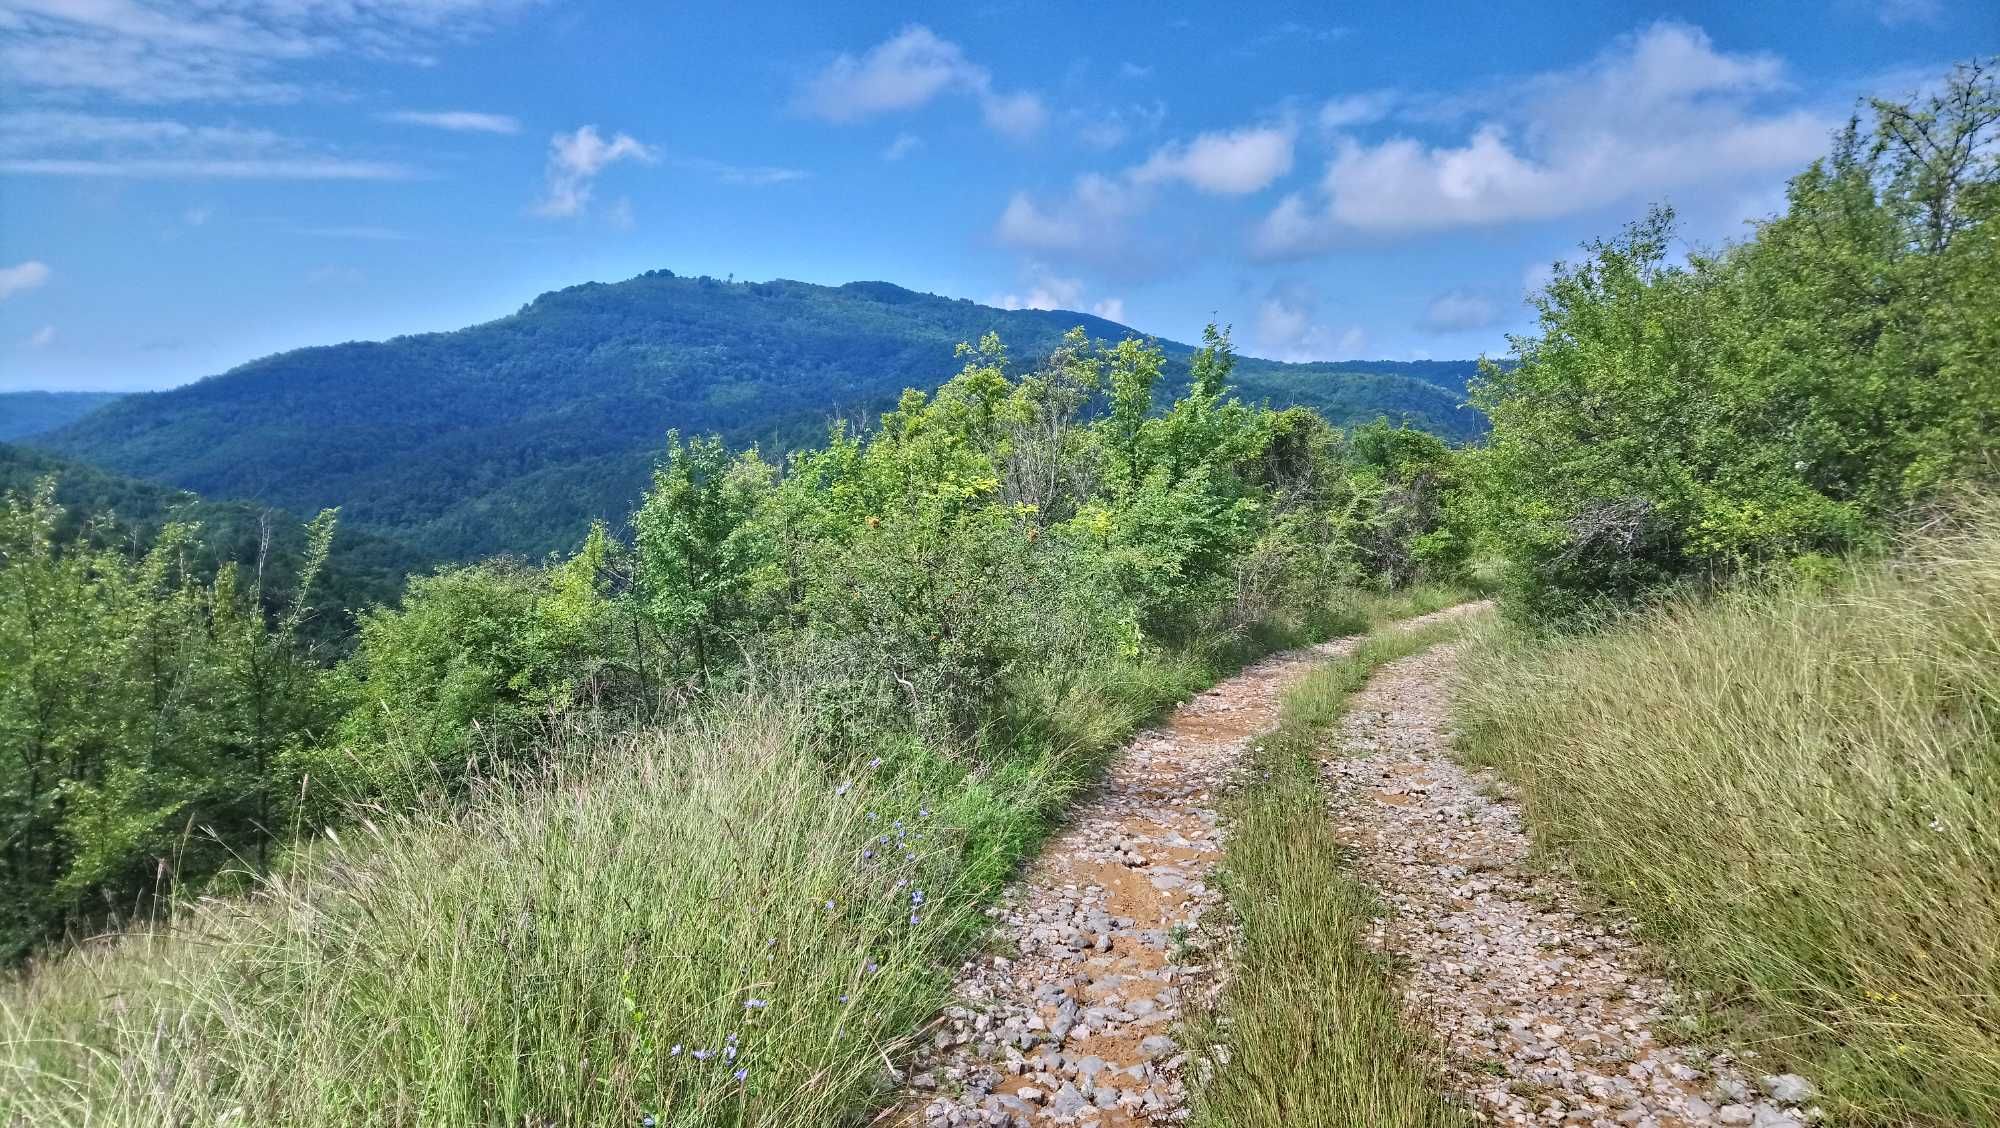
x,y
743,764
514,435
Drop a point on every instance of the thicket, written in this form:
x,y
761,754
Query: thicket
x,y
748,772
1789,399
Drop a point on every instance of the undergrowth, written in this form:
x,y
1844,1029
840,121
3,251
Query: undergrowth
x,y
711,922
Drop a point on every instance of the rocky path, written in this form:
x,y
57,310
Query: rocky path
x,y
1068,1019
1546,1011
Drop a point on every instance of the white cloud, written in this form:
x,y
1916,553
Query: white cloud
x,y
620,215
910,69
1458,311
367,231
576,158
197,217
1088,218
458,121
1048,290
752,175
215,50
64,143
1134,70
902,146
1288,328
22,277
336,276
1091,217
1897,13
1662,109
1232,163
42,338
1107,129
1356,109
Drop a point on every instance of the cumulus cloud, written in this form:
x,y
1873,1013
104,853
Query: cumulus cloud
x,y
1229,164
910,69
22,277
1662,109
1288,328
64,143
1458,311
576,158
1091,216
458,121
1048,290
1088,217
215,50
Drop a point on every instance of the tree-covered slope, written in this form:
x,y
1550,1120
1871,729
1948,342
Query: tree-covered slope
x,y
363,568
510,436
30,413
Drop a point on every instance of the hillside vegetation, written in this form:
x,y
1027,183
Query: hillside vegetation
x,y
31,413
512,436
1787,769
361,569
1794,789
693,827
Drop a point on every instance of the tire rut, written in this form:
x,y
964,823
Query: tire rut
x,y
1546,1010
1068,1018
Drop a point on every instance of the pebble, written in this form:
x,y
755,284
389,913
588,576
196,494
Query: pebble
x,y
1546,1013
1104,936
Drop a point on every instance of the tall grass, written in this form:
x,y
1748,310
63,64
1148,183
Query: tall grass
x,y
1798,793
1310,1029
711,922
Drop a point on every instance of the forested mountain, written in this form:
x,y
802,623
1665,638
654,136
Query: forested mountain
x,y
362,570
510,436
30,413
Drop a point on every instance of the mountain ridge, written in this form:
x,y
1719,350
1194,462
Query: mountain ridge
x,y
512,434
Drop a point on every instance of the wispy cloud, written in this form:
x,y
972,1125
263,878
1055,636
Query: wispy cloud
x,y
1661,109
22,277
1897,13
902,146
458,121
752,175
1460,311
576,158
910,69
364,231
215,50
42,338
1289,328
64,143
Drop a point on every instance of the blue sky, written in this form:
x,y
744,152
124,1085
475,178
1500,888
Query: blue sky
x,y
188,184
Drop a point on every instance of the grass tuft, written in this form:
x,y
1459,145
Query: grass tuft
x,y
1310,1028
1794,791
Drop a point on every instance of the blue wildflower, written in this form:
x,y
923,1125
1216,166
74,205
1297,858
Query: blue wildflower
x,y
676,1051
742,1075
702,1055
756,1004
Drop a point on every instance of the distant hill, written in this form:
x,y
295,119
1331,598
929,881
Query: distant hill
x,y
30,413
362,569
510,436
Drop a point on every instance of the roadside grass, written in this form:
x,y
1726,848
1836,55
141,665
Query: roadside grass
x,y
1309,1029
1795,792
709,922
